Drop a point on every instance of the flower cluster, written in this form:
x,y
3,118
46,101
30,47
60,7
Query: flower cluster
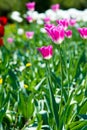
x,y
3,22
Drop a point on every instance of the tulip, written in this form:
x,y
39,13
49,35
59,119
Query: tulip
x,y
1,42
29,35
72,22
30,6
29,19
68,33
1,31
83,32
46,51
10,40
56,33
63,22
46,20
3,20
55,7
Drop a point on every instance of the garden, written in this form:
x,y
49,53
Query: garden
x,y
43,69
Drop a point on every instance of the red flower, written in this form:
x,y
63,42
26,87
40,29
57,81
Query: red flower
x,y
1,31
1,42
3,20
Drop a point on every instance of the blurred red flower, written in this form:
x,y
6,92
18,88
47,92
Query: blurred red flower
x,y
1,42
1,31
3,20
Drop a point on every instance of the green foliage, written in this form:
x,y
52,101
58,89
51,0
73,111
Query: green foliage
x,y
30,96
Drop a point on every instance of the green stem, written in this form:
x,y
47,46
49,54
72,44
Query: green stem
x,y
30,58
61,67
68,79
85,50
52,98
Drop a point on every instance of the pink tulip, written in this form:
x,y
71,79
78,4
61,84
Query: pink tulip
x,y
10,40
29,19
68,33
56,33
72,22
46,20
83,32
63,22
46,51
29,35
55,7
30,6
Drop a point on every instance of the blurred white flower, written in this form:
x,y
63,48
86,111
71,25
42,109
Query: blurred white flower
x,y
31,128
42,30
16,16
33,14
40,22
21,68
20,31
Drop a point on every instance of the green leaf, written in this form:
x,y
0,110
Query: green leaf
x,y
2,112
77,125
37,87
80,125
25,105
13,79
83,108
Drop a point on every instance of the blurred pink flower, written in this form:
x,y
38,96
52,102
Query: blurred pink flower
x,y
29,35
46,20
72,22
10,39
29,19
56,33
55,7
63,22
30,6
46,51
68,33
83,32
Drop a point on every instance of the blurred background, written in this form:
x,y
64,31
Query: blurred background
x,y
7,6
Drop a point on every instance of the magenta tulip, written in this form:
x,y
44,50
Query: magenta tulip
x,y
63,22
72,22
56,33
29,19
30,6
68,33
46,51
46,20
55,7
83,32
29,35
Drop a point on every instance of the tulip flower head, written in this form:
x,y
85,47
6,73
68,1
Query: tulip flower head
x,y
46,20
46,51
56,33
63,22
83,32
68,33
10,40
55,7
3,20
30,6
1,30
1,42
29,35
29,19
72,22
